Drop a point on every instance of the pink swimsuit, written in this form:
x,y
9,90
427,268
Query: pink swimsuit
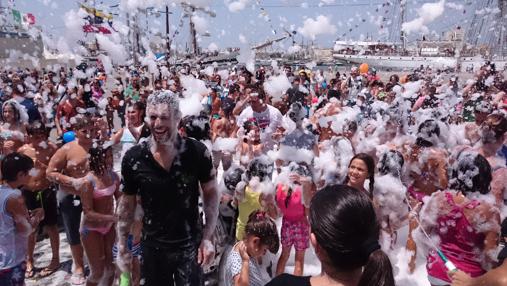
x,y
99,194
294,211
460,242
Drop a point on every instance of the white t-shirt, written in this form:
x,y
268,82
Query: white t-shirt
x,y
268,120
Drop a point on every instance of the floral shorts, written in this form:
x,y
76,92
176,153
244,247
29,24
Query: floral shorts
x,y
295,233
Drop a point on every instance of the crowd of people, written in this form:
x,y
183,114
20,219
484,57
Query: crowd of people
x,y
233,169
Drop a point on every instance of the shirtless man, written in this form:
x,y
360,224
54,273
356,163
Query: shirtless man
x,y
69,163
40,193
427,166
221,128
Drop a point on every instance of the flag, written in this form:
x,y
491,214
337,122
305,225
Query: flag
x,y
29,18
16,16
95,29
95,12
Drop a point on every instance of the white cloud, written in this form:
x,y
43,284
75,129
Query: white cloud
x,y
321,25
427,14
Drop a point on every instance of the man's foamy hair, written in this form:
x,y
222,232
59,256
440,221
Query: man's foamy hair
x,y
165,97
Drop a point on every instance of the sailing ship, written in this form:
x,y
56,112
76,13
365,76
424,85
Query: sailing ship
x,y
484,39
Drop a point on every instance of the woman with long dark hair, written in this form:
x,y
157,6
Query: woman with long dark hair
x,y
467,226
344,233
427,170
361,168
13,126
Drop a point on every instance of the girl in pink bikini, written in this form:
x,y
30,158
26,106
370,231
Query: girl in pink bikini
x,y
467,226
100,188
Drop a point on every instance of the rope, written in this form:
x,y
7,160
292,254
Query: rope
x,y
450,266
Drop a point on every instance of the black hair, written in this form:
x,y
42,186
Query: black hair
x,y
232,177
13,164
391,162
247,125
262,226
227,105
370,165
98,159
261,167
425,131
37,127
346,228
471,173
196,126
140,106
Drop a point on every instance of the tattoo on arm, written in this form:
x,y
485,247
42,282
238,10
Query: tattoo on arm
x,y
210,205
126,210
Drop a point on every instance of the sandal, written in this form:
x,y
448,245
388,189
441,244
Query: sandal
x,y
77,279
48,271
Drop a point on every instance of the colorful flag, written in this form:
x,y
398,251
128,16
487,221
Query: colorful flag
x,y
95,29
95,12
16,16
29,18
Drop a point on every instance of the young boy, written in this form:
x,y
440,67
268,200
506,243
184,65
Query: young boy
x,y
16,224
39,192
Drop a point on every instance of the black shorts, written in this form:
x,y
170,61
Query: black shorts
x,y
45,199
171,266
70,209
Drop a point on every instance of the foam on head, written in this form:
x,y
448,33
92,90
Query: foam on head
x,y
165,97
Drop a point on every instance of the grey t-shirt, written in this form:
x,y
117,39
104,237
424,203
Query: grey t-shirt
x,y
300,140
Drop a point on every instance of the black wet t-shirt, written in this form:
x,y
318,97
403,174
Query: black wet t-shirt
x,y
290,280
169,199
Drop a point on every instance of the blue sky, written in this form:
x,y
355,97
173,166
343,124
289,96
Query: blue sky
x,y
227,26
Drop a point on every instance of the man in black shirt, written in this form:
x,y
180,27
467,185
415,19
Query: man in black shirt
x,y
166,171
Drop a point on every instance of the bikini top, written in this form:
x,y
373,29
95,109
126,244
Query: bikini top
x,y
105,192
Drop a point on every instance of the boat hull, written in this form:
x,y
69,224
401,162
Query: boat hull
x,y
408,62
399,62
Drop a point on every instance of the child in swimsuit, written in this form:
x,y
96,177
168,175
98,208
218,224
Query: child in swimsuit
x,y
99,189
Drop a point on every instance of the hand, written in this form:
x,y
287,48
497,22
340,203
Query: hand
x,y
205,252
305,182
36,216
8,144
242,251
460,278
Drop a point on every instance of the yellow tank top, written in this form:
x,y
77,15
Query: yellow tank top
x,y
249,204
